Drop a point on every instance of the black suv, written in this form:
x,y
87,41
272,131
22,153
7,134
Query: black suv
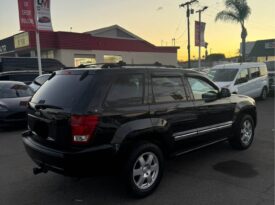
x,y
131,118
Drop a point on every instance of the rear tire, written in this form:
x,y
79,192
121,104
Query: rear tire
x,y
143,169
244,134
264,94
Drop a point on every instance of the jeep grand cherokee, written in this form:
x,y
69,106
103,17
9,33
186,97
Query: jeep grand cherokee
x,y
82,120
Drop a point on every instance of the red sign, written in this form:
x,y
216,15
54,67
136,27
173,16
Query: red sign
x,y
199,33
26,15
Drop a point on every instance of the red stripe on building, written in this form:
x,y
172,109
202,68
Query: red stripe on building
x,y
83,41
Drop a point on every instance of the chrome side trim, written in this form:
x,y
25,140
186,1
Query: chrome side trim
x,y
199,147
185,136
212,128
194,132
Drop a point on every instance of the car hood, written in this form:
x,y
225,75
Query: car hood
x,y
15,104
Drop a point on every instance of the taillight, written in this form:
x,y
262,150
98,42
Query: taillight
x,y
83,127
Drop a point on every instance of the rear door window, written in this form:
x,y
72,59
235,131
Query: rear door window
x,y
168,89
62,91
242,77
127,90
254,73
263,71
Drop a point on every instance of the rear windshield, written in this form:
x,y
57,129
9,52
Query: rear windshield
x,y
62,91
14,91
222,75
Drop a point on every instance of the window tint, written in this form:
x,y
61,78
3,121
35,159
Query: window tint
x,y
263,71
168,89
14,91
42,79
242,77
200,87
126,90
254,73
63,91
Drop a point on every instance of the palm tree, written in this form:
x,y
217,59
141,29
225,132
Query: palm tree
x,y
237,11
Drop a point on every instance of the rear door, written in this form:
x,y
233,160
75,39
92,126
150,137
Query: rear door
x,y
242,82
171,110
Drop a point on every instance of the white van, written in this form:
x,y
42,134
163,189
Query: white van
x,y
243,78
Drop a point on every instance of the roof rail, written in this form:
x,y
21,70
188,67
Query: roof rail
x,y
123,64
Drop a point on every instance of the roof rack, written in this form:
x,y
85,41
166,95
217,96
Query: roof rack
x,y
122,64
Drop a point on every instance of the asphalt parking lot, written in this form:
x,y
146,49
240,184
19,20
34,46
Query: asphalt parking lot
x,y
215,175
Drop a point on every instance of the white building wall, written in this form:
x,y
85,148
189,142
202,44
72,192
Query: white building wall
x,y
66,56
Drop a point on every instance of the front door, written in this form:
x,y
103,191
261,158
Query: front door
x,y
215,116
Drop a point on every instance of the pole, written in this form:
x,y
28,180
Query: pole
x,y
187,4
200,11
38,52
38,48
199,62
188,29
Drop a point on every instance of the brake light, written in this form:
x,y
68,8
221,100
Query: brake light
x,y
83,127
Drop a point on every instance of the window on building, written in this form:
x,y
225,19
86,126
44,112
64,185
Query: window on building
x,y
112,59
126,90
80,59
168,89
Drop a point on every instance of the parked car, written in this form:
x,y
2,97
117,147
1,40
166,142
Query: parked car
x,y
23,76
14,97
271,75
129,119
39,81
25,63
243,78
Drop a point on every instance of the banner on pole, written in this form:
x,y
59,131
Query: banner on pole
x,y
43,15
199,33
26,15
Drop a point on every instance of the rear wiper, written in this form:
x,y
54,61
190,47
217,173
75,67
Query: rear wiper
x,y
42,106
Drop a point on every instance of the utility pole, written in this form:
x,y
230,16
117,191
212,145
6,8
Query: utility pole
x,y
200,11
188,12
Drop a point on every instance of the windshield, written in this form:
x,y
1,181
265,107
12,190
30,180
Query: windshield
x,y
62,91
8,90
222,75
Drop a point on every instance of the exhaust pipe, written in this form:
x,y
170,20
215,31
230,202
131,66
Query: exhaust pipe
x,y
39,170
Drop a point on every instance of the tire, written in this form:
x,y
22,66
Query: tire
x,y
143,169
264,94
244,134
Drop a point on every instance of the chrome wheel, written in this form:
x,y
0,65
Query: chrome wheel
x,y
145,170
246,132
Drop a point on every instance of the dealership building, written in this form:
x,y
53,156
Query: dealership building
x,y
107,45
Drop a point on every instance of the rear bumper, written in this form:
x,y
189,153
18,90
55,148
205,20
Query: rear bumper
x,y
86,162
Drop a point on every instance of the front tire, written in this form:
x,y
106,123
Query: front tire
x,y
144,169
244,134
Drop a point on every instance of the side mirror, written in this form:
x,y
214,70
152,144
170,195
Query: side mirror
x,y
225,93
209,96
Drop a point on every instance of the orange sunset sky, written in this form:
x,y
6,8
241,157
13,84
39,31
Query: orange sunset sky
x,y
153,20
